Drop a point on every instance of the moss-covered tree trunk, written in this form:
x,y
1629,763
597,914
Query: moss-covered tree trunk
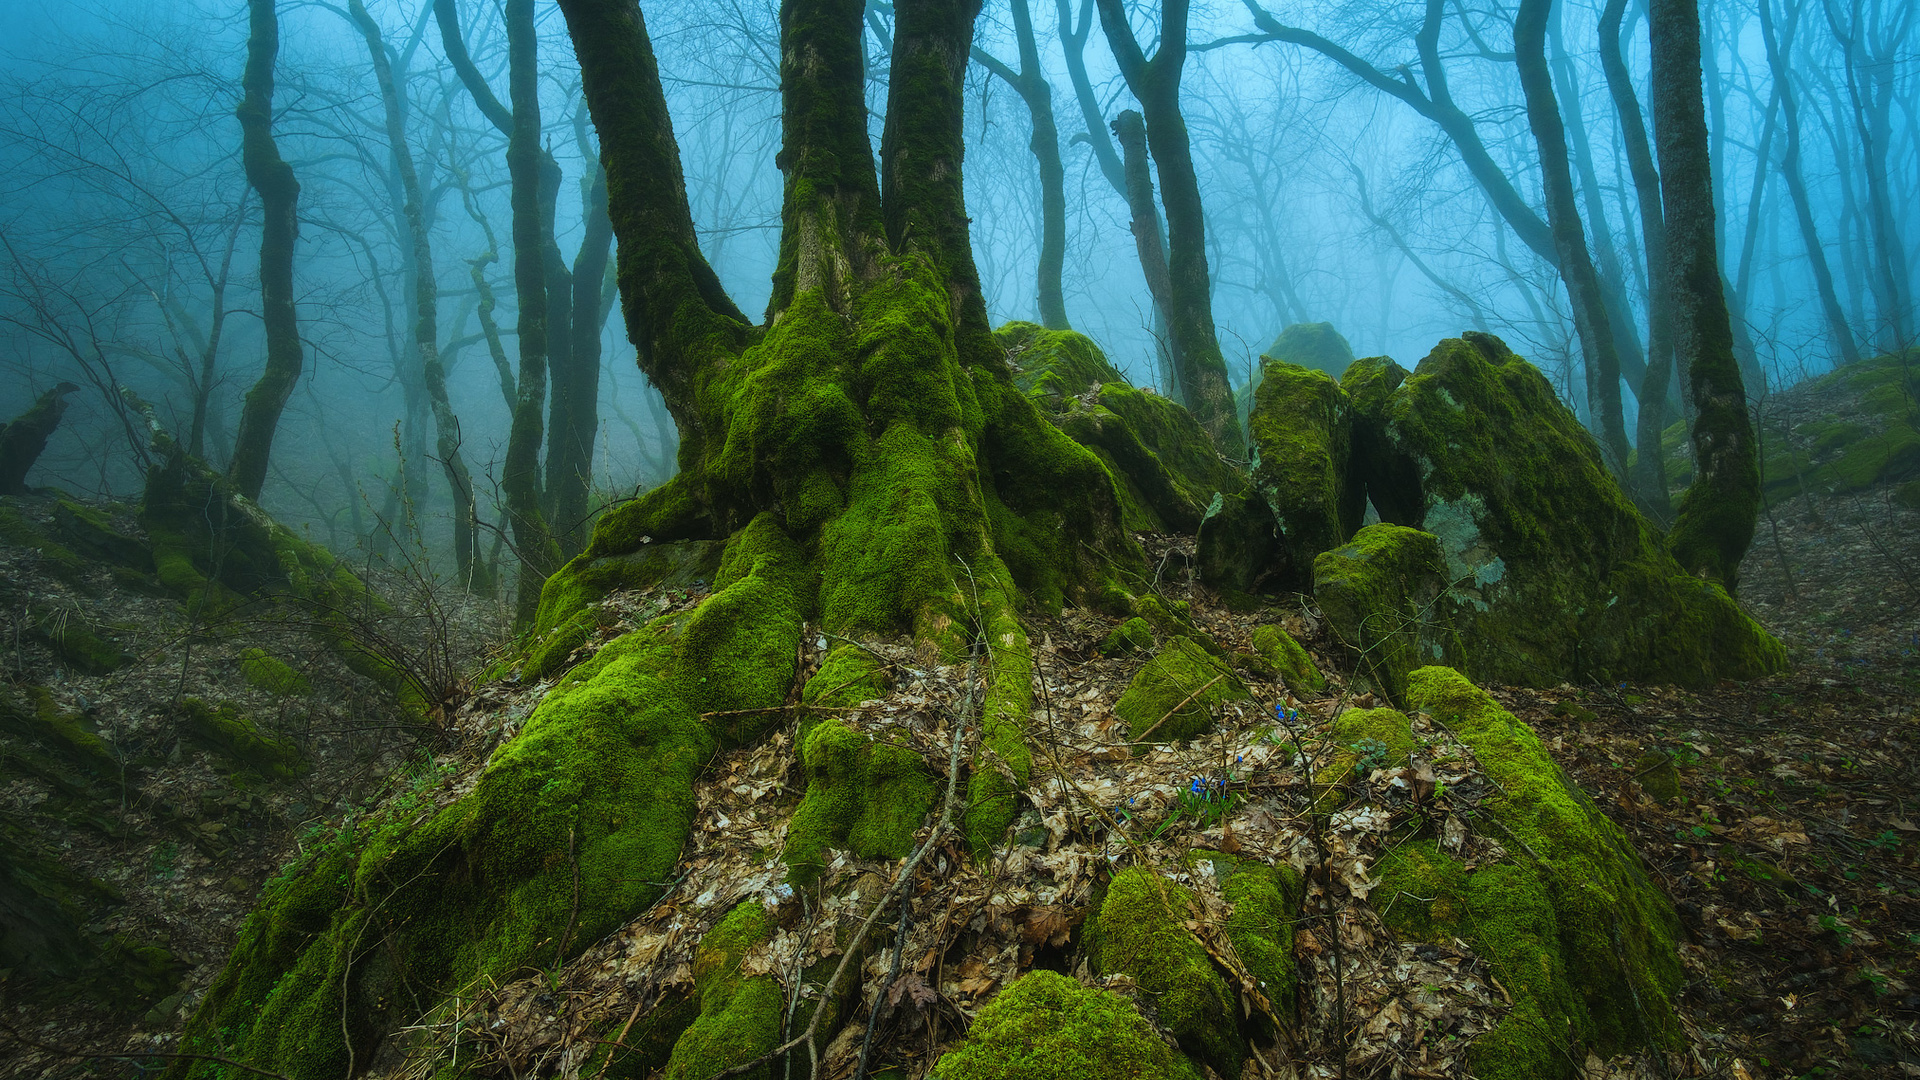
x,y
273,179
24,439
1156,82
1717,513
860,465
1600,360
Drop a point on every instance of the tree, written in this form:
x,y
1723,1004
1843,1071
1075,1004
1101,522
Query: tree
x,y
426,301
1155,82
273,180
1650,474
1030,82
1716,516
1602,363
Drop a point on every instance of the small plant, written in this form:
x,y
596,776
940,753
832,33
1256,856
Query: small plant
x,y
1373,755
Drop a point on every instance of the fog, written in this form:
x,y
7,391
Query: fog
x,y
132,241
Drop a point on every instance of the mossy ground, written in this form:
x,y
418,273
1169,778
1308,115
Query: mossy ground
x,y
1142,933
1173,696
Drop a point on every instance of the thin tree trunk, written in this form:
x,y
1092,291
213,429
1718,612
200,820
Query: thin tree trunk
x,y
1130,131
1156,83
273,179
1563,215
576,388
520,476
426,302
1650,468
1717,514
1777,45
1030,82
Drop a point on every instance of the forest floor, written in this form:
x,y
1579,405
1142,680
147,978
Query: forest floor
x,y
1790,844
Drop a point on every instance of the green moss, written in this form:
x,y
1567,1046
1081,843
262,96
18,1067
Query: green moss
x,y
1287,657
739,1016
1047,1027
1054,363
1302,433
1313,345
850,675
1657,776
1132,636
267,672
1003,764
1547,572
75,640
64,733
92,532
19,530
647,1044
234,736
1172,698
1266,905
1379,594
1142,933
863,796
1577,931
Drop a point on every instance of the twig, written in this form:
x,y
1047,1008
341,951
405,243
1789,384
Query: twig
x,y
63,1051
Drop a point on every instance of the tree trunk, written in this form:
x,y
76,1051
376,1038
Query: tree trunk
x,y
272,178
1650,467
1796,186
1156,83
1590,321
1030,82
575,416
1717,513
24,439
1130,131
426,302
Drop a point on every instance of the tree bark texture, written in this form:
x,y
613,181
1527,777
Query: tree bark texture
x,y
1156,83
1716,516
273,179
1601,361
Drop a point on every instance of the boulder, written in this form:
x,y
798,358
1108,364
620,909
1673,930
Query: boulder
x,y
1300,500
1546,573
1312,345
1163,464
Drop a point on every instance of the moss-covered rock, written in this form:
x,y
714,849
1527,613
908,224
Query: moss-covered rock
x,y
850,675
1048,1027
47,936
1378,594
863,796
1142,933
76,640
1266,905
1577,933
1289,659
1132,636
92,532
1173,696
18,529
1548,572
739,1015
1163,464
229,732
1312,345
265,671
1302,434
